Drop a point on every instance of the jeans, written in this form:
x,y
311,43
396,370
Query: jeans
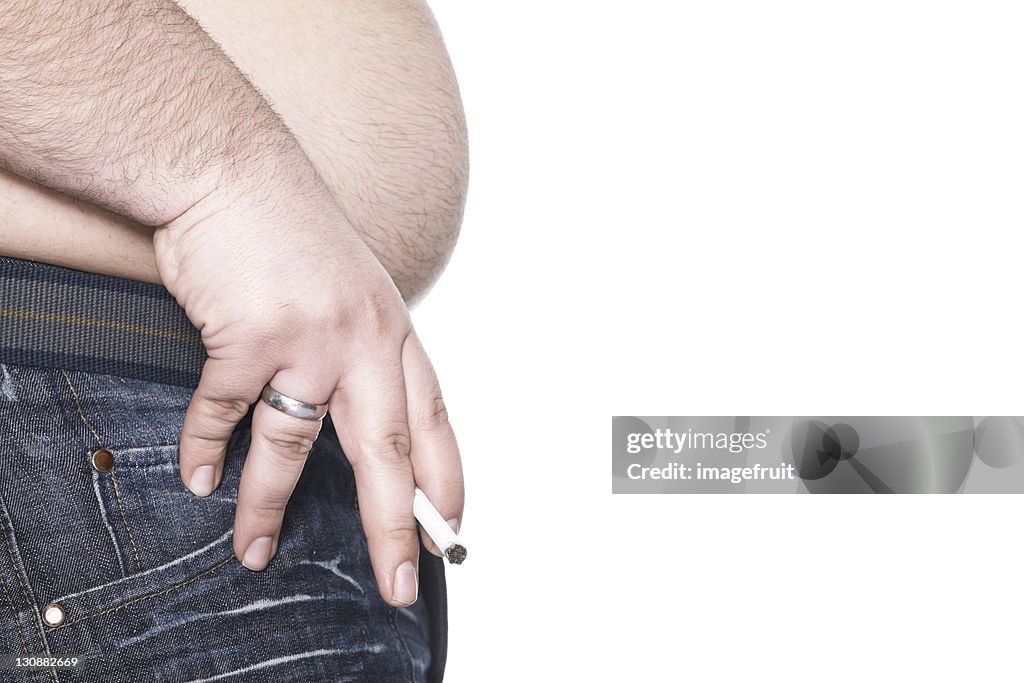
x,y
114,561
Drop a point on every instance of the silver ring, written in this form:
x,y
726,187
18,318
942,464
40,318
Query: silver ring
x,y
291,406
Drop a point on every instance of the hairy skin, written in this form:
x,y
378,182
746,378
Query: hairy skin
x,y
128,114
377,111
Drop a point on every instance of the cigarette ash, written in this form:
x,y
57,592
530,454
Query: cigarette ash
x,y
456,554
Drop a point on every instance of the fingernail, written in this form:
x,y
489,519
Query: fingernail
x,y
257,555
454,524
201,483
406,584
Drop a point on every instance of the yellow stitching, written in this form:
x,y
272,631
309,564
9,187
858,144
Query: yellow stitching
x,y
10,601
105,324
24,588
78,405
120,506
17,621
146,597
117,489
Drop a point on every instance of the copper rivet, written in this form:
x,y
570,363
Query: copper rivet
x,y
103,460
53,614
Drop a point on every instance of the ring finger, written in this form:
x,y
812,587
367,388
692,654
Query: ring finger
x,y
277,453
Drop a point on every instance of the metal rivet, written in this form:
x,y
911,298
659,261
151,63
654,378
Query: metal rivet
x,y
53,614
103,460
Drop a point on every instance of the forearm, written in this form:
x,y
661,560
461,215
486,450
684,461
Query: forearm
x,y
41,225
130,106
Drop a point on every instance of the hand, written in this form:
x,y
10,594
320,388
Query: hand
x,y
284,291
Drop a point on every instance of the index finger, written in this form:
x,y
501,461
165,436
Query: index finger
x,y
226,391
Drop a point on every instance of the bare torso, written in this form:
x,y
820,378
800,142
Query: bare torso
x,y
361,84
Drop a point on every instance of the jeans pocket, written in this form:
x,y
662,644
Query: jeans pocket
x,y
153,517
165,536
135,588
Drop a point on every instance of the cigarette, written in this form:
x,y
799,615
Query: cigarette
x,y
443,536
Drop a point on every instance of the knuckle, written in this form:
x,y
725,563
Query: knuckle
x,y
294,442
393,447
293,446
268,509
453,490
378,316
434,414
399,532
224,410
202,449
388,447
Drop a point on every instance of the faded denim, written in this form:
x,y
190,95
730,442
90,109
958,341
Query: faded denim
x,y
144,569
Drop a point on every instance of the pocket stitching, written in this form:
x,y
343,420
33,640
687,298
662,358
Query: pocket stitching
x,y
18,568
127,526
14,613
113,477
145,597
128,450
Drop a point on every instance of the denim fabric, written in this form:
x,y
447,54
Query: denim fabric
x,y
144,569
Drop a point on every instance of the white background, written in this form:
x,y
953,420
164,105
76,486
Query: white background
x,y
734,208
